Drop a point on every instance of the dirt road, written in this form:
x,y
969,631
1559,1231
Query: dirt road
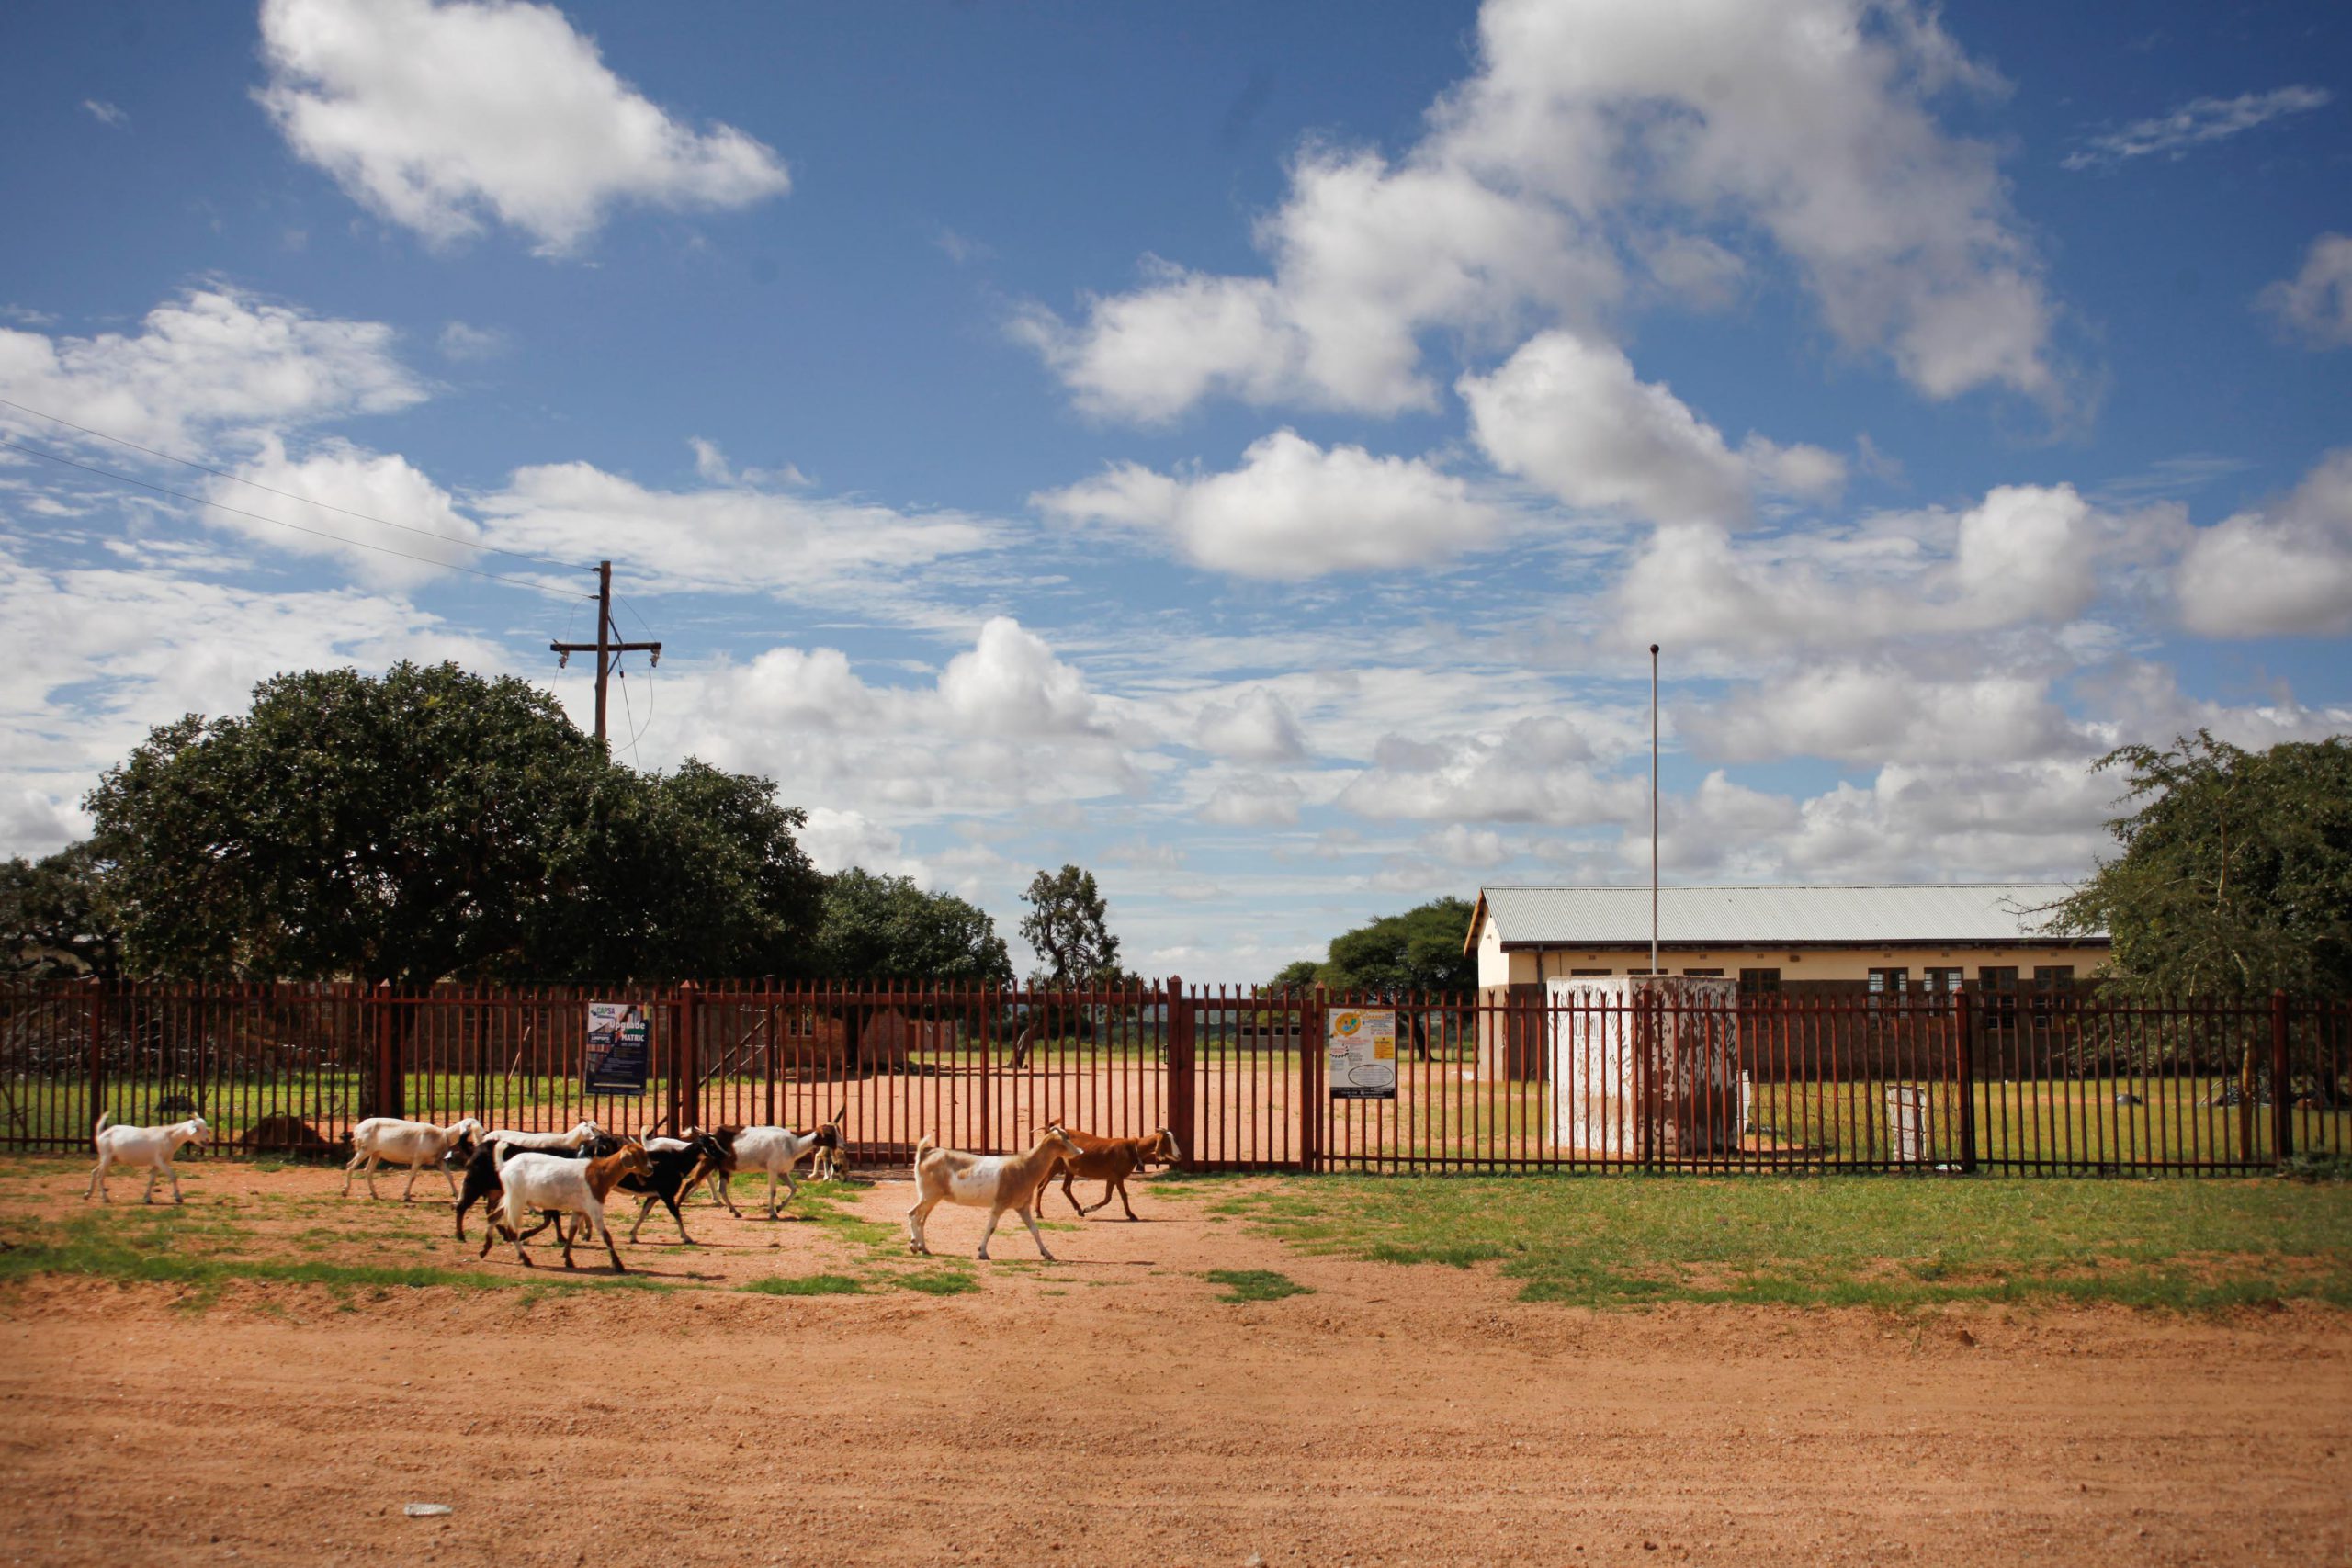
x,y
1113,1409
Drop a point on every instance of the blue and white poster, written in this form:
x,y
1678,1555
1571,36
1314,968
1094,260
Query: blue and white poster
x,y
618,1060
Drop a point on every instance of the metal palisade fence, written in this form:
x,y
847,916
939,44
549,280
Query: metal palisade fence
x,y
2058,1081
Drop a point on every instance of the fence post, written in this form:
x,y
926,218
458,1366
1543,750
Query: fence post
x,y
98,1105
1310,1084
2282,1117
389,1087
1963,1023
1178,1029
686,1067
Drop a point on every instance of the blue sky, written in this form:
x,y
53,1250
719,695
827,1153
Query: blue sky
x,y
1245,449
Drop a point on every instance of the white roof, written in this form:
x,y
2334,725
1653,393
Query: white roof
x,y
1770,917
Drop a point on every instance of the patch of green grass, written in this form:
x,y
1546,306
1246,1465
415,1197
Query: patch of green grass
x,y
1858,1241
1255,1284
937,1283
204,1255
806,1285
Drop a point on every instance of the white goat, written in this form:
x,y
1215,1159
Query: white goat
x,y
994,1182
774,1150
551,1184
543,1143
413,1143
151,1146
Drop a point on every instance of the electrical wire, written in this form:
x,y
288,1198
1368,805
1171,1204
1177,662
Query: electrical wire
x,y
628,713
315,532
290,495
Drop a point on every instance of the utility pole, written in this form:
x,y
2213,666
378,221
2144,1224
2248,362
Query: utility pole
x,y
607,648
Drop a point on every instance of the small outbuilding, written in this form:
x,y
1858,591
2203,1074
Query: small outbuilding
x,y
1895,941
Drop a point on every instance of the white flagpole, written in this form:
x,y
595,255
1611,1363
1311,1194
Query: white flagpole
x,y
1652,810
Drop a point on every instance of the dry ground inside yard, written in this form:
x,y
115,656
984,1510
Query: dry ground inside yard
x,y
1112,1407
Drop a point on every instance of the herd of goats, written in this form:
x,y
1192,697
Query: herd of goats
x,y
565,1179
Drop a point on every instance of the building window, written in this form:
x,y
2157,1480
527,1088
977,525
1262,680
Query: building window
x,y
1574,974
2049,980
1888,983
1939,982
1997,984
1759,982
1704,974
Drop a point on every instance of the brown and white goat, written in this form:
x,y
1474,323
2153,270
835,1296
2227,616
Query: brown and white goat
x,y
994,1182
774,1150
551,1184
1110,1161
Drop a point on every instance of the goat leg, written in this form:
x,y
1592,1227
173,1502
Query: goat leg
x,y
1122,1185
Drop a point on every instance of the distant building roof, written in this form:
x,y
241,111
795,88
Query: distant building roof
x,y
1773,917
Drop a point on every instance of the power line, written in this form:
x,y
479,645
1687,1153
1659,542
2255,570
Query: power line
x,y
305,500
281,523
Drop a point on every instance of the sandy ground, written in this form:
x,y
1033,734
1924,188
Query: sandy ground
x,y
1111,1409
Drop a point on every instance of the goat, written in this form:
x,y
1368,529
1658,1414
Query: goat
x,y
678,1164
584,1142
381,1140
553,1185
543,1143
831,1160
994,1182
774,1150
151,1146
1109,1161
413,1143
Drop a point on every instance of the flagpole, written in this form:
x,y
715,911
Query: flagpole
x,y
1652,810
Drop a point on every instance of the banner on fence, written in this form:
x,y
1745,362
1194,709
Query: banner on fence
x,y
1362,1043
619,1061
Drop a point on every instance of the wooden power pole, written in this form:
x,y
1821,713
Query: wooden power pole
x,y
607,648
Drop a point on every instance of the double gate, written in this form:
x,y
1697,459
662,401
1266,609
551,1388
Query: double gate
x,y
1495,1082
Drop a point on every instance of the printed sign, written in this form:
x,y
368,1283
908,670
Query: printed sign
x,y
1360,1053
618,1059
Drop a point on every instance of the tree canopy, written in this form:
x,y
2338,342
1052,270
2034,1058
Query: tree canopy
x,y
877,928
431,825
54,919
1419,949
2235,874
1068,927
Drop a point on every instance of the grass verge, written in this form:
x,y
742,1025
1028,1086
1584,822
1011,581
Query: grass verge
x,y
1255,1284
1857,1241
806,1285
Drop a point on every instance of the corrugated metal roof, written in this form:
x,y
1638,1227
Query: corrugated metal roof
x,y
1728,917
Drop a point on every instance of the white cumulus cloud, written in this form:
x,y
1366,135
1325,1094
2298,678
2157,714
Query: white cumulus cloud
x,y
1571,415
438,113
2316,303
2285,571
214,360
1808,122
1292,510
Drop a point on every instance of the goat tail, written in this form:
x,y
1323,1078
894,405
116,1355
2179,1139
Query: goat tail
x,y
498,1160
105,1120
923,1145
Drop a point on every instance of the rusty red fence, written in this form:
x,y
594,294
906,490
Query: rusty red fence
x,y
2066,1081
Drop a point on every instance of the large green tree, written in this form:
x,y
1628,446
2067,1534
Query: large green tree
x,y
54,919
697,872
874,927
432,825
2236,871
1068,927
1421,949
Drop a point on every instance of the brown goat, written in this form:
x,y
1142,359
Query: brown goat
x,y
1110,1161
